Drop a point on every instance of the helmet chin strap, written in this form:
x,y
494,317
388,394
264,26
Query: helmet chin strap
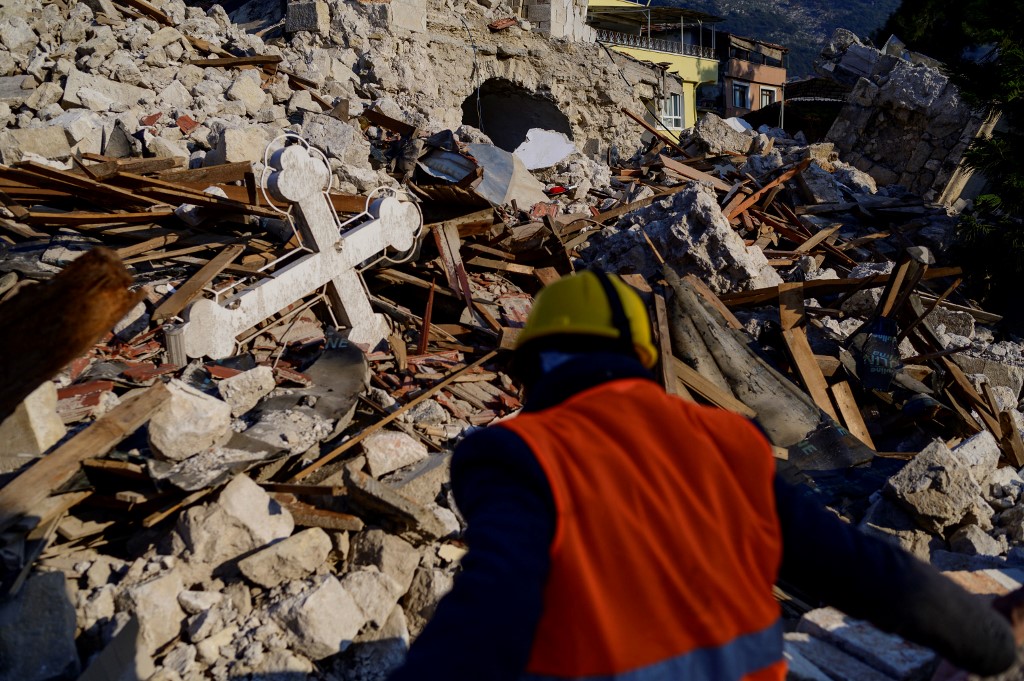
x,y
619,319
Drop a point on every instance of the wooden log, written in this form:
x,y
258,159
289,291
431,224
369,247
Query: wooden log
x,y
23,494
45,326
700,385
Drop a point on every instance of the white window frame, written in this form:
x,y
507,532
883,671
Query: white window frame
x,y
672,111
774,95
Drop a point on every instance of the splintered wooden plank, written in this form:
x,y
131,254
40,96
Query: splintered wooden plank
x,y
817,239
377,118
227,172
22,495
824,287
80,218
255,60
101,171
848,409
1012,444
500,265
187,292
700,385
691,173
753,198
546,275
793,314
147,245
668,375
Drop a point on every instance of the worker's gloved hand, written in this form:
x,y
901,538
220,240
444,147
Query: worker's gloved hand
x,y
1010,606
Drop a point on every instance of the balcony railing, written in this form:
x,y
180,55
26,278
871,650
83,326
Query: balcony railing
x,y
655,44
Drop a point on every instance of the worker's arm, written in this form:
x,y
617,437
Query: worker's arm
x,y
483,629
873,580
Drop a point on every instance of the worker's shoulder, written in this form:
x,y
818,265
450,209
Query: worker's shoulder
x,y
493,443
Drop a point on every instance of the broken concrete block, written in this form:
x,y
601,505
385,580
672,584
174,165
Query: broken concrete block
x,y
998,373
122,659
237,145
195,602
389,450
887,653
936,487
155,603
974,541
376,496
374,592
242,519
246,89
323,619
84,129
18,36
112,91
188,423
839,664
292,430
50,143
46,94
293,558
422,483
429,586
336,138
134,322
391,555
980,453
308,15
37,631
14,90
34,426
243,391
715,136
410,15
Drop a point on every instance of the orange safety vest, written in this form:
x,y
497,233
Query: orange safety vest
x,y
667,542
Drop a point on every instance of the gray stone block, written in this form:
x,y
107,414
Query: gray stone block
x,y
312,16
936,487
37,631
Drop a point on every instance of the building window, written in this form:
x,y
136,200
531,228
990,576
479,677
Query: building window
x,y
741,95
767,97
672,112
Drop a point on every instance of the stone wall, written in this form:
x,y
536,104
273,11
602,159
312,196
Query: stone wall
x,y
904,122
560,19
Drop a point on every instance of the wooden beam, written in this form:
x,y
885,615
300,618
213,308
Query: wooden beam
x,y
22,495
691,173
665,360
255,60
842,393
712,298
226,172
753,198
187,292
47,325
791,309
657,133
1012,445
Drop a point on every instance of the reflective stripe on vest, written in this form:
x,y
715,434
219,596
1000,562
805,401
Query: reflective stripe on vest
x,y
667,542
736,660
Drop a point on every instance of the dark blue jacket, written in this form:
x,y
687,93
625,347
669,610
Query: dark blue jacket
x,y
483,629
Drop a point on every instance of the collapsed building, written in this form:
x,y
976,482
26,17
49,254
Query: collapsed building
x,y
259,268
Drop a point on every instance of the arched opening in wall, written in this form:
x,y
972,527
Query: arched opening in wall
x,y
510,111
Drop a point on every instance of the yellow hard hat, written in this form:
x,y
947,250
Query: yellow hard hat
x,y
591,303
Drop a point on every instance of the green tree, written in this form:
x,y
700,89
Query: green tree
x,y
982,44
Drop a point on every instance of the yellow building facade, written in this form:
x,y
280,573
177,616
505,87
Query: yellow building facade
x,y
670,37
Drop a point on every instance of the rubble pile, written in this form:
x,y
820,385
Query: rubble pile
x,y
257,288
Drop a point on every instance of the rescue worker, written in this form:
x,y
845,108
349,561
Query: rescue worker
x,y
616,532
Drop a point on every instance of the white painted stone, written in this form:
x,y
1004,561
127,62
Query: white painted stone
x,y
34,426
243,391
323,619
389,450
188,423
289,559
544,148
300,178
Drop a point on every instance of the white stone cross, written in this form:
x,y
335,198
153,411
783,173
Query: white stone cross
x,y
302,178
